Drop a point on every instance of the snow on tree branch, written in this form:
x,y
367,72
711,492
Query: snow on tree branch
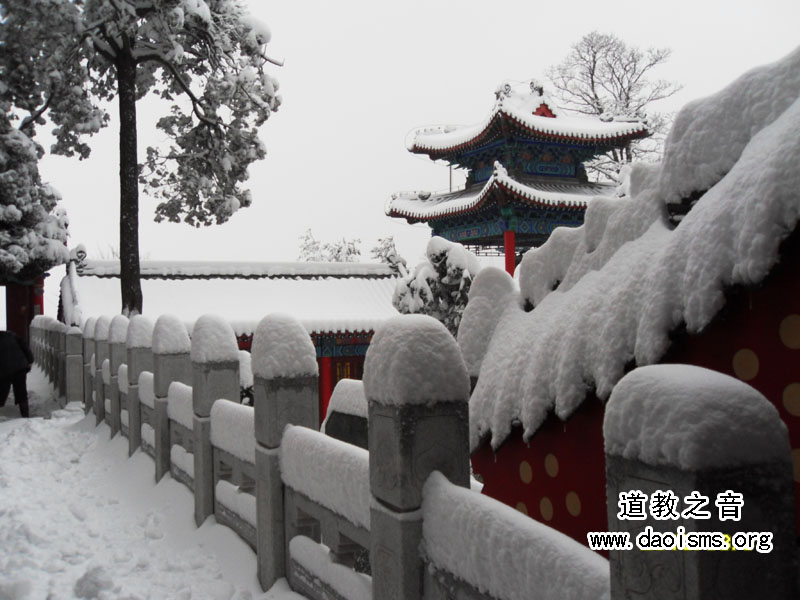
x,y
604,76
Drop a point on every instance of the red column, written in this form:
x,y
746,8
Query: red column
x,y
325,385
510,247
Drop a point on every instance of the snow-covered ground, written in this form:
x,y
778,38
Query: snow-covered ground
x,y
79,519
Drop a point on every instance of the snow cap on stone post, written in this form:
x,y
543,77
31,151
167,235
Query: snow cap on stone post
x,y
118,329
693,419
413,359
693,429
139,342
286,386
282,348
140,332
101,328
170,336
118,333
215,363
171,347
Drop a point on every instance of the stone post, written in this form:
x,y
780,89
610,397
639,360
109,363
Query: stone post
x,y
285,391
74,364
215,368
88,362
138,343
61,360
101,330
417,391
171,362
118,333
688,433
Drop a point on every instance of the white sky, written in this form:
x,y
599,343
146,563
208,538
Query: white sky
x,y
359,76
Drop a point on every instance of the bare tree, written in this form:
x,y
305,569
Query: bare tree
x,y
604,76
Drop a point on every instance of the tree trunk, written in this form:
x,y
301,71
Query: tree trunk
x,y
130,285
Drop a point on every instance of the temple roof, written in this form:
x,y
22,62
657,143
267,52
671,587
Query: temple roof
x,y
424,206
524,110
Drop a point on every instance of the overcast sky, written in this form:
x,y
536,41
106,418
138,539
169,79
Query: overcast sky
x,y
359,76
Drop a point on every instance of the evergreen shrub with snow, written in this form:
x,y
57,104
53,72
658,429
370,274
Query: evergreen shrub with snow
x,y
439,286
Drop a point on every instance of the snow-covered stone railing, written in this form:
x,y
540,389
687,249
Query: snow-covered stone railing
x,y
693,431
315,507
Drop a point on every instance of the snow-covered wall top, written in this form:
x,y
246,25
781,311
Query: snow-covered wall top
x,y
504,553
518,102
238,270
625,279
693,419
118,332
322,305
170,336
413,359
348,398
282,348
213,341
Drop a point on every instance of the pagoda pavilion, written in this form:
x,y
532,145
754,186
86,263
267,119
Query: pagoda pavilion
x,y
525,173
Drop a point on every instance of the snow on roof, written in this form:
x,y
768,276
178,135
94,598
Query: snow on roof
x,y
625,279
427,205
516,104
236,270
322,304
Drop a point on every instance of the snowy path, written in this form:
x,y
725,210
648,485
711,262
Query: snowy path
x,y
79,519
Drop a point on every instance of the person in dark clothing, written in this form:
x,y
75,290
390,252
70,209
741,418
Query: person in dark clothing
x,y
15,363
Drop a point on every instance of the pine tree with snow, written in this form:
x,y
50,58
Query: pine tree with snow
x,y
386,252
439,286
33,229
62,59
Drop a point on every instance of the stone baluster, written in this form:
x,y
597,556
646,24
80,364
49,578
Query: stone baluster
x,y
215,369
417,391
88,363
674,432
171,362
61,361
139,346
74,365
285,391
118,333
101,330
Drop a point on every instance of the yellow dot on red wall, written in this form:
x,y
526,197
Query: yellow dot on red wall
x,y
525,471
522,508
551,465
791,399
790,331
573,502
796,461
745,364
546,508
